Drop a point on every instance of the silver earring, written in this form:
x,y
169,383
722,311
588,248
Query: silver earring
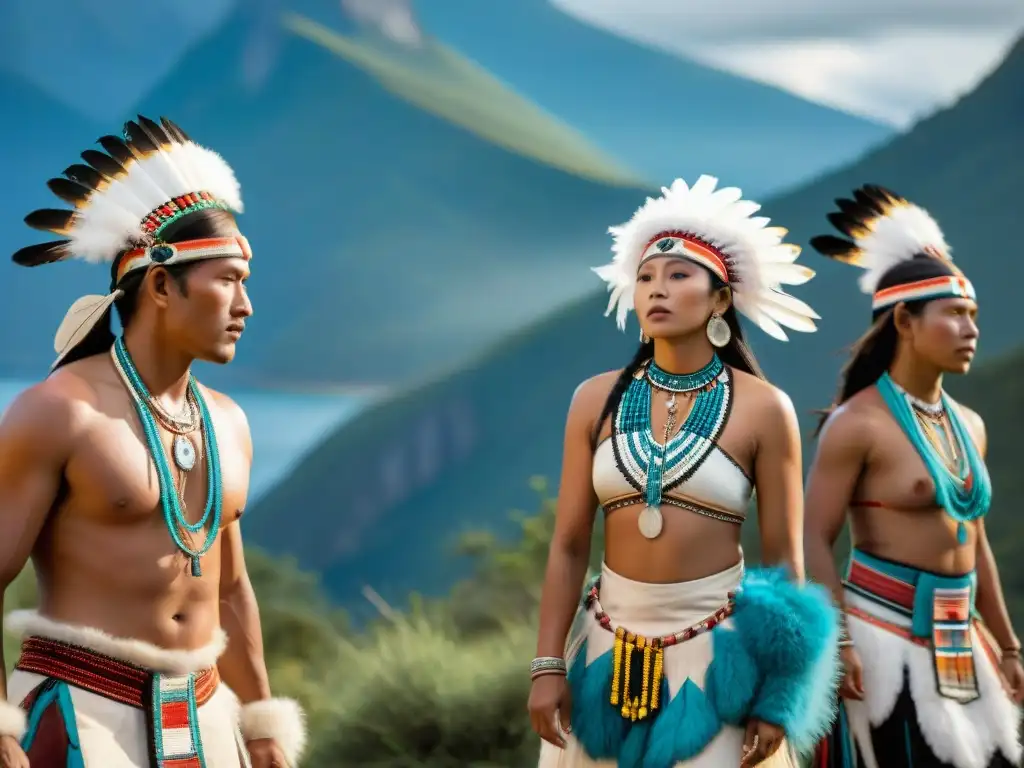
x,y
644,338
718,331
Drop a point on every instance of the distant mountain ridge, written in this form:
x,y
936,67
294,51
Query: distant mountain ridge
x,y
390,527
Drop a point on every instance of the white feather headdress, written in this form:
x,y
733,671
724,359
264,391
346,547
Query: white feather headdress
x,y
718,229
123,199
884,230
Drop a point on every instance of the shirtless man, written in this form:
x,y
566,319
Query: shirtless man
x,y
925,683
125,481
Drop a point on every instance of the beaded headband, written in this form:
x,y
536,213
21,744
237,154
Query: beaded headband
x,y
123,200
884,230
717,229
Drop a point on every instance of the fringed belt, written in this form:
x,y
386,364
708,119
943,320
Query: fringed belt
x,y
937,609
169,701
638,662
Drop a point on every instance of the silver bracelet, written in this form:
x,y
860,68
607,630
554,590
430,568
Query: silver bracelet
x,y
547,665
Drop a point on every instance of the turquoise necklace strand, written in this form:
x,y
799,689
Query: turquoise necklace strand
x,y
966,496
174,517
644,461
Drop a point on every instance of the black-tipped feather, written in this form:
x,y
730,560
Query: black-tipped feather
x,y
868,202
43,253
117,149
832,246
69,191
844,223
85,176
856,211
155,132
103,163
51,220
174,130
139,141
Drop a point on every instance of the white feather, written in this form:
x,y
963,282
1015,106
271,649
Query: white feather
x,y
760,260
110,220
903,232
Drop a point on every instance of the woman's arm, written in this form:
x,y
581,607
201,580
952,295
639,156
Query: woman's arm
x,y
778,472
569,553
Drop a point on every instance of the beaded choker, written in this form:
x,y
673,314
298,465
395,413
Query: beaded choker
x,y
965,493
174,517
652,467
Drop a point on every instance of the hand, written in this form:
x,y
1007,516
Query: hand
x,y
264,753
1013,674
761,742
11,753
550,705
852,686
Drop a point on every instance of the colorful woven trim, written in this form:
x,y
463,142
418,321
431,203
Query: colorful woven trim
x,y
688,246
949,287
674,501
174,209
177,253
171,702
638,662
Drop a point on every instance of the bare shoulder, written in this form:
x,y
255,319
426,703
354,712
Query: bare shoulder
x,y
592,393
772,407
59,405
231,411
852,423
974,423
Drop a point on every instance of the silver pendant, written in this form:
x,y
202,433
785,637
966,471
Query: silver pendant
x,y
184,453
650,522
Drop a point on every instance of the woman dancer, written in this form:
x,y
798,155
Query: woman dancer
x,y
678,657
922,687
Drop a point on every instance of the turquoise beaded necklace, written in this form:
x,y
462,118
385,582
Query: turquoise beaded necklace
x,y
174,518
652,467
965,496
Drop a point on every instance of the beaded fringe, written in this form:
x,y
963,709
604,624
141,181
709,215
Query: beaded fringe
x,y
629,649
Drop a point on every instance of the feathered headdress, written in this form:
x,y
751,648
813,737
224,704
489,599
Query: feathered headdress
x,y
124,198
717,229
885,230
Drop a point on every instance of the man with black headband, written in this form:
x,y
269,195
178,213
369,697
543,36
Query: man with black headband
x,y
146,649
926,683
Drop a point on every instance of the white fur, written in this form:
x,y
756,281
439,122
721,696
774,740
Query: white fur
x,y
110,219
904,231
761,261
964,735
12,720
142,654
279,719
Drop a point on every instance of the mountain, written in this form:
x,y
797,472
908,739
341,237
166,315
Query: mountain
x,y
416,469
381,230
407,207
663,114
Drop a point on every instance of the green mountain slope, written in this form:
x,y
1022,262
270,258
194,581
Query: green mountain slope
x,y
480,433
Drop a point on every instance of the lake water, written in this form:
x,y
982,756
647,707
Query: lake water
x,y
284,426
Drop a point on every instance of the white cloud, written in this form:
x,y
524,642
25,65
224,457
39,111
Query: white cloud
x,y
893,61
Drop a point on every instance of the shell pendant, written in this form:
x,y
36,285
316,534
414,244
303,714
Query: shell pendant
x,y
650,522
184,453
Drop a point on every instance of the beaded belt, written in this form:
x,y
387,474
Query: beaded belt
x,y
638,662
673,501
169,701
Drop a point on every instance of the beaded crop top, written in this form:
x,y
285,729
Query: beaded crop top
x,y
696,474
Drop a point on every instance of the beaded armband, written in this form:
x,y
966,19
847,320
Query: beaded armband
x,y
12,720
547,665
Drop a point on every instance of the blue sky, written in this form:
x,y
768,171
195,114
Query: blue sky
x,y
893,60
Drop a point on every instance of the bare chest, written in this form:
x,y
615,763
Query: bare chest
x,y
113,474
897,476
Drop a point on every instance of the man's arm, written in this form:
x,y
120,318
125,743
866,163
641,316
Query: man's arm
x,y
35,440
242,666
777,476
837,466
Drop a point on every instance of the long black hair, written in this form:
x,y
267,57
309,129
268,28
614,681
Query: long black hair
x,y
873,353
736,354
206,223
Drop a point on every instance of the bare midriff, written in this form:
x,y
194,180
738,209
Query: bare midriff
x,y
922,537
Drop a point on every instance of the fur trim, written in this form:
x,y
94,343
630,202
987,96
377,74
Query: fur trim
x,y
789,634
282,720
12,720
151,657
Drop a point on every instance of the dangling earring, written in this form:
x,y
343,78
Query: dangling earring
x,y
644,338
718,331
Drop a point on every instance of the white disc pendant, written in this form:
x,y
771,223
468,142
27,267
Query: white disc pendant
x,y
184,453
650,522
